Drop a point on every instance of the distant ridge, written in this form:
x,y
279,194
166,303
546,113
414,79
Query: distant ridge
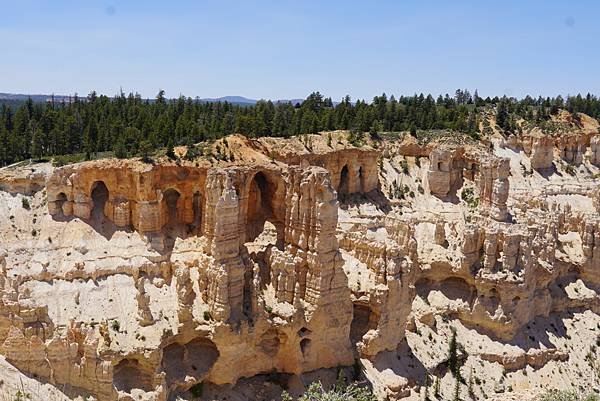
x,y
230,99
240,100
35,98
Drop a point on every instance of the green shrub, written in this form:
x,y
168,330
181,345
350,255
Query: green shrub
x,y
196,390
569,169
469,197
25,203
566,395
316,392
404,167
115,325
21,396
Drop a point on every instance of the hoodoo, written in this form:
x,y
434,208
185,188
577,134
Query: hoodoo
x,y
131,280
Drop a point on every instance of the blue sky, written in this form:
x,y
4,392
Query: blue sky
x,y
286,49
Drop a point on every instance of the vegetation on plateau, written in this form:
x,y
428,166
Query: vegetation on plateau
x,y
127,125
340,392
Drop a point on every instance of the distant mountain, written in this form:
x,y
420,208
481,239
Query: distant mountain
x,y
239,100
230,99
245,100
36,98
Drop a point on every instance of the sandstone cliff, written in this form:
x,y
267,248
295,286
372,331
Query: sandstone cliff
x,y
126,280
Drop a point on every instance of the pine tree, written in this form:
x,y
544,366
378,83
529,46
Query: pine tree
x,y
470,388
37,147
502,116
90,138
170,150
120,149
97,123
453,364
456,396
4,151
145,149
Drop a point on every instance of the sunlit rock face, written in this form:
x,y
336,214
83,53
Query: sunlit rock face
x,y
127,280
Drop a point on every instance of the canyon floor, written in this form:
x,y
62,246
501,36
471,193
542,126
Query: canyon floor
x,y
266,264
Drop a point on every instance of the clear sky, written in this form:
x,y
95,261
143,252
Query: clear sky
x,y
286,49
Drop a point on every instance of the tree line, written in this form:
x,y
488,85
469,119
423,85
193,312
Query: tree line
x,y
128,124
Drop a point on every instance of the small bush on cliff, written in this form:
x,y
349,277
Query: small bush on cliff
x,y
569,169
316,392
404,165
567,395
469,197
115,325
21,396
25,203
171,150
355,138
192,152
196,390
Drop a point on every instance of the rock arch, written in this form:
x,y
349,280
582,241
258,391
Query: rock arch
x,y
457,288
128,374
59,204
305,346
194,359
344,186
363,320
170,203
100,196
361,179
197,212
261,207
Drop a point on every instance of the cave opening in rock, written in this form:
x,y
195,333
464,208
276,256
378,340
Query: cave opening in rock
x,y
270,342
361,178
128,375
197,206
305,346
343,187
260,207
99,196
268,236
363,320
194,359
170,199
60,201
456,288
201,355
304,332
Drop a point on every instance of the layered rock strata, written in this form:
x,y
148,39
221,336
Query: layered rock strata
x,y
128,280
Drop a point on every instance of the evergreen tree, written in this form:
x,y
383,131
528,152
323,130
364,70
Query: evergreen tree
x,y
120,149
171,150
145,149
37,142
502,116
453,363
456,396
98,122
90,138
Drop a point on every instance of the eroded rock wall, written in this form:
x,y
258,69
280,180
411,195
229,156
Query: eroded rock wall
x,y
146,280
